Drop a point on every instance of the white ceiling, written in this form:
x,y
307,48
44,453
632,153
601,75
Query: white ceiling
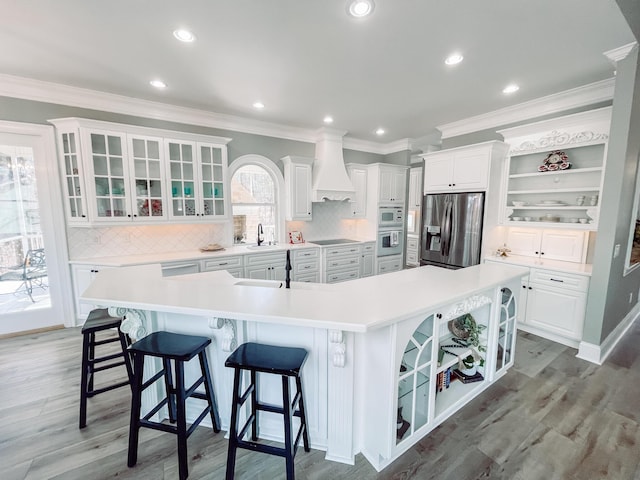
x,y
306,59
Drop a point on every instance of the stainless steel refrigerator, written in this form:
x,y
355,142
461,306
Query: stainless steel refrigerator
x,y
452,229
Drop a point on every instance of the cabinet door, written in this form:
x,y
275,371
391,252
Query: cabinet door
x,y
366,266
147,175
563,245
258,272
438,173
300,192
72,179
359,203
107,154
470,171
507,329
181,164
415,190
524,241
211,171
556,310
399,184
385,186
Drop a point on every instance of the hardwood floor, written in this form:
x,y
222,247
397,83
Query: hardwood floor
x,y
552,416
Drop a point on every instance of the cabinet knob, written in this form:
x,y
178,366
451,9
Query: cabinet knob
x,y
537,253
438,315
541,253
83,216
524,286
530,288
129,215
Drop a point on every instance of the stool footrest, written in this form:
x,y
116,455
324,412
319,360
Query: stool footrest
x,y
107,367
106,341
191,391
97,391
145,422
153,379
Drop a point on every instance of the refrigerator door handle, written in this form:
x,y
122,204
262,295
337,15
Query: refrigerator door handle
x,y
446,229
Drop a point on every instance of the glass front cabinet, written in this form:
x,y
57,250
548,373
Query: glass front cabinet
x,y
435,369
121,174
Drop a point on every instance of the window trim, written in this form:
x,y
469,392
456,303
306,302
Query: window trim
x,y
278,181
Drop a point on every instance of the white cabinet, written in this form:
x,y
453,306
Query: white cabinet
x,y
358,175
555,171
82,276
340,263
565,245
367,259
266,266
197,178
392,184
306,265
171,269
413,251
461,169
72,175
232,264
414,202
392,263
297,178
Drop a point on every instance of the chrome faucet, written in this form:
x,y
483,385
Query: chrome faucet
x,y
260,234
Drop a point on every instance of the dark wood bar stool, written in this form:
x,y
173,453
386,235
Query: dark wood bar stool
x,y
99,320
180,349
286,362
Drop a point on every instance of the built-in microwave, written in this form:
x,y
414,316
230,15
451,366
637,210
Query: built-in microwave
x,y
390,216
389,241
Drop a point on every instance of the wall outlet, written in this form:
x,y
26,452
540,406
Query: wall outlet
x,y
630,297
616,250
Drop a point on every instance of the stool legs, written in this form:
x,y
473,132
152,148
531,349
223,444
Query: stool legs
x,y
303,415
208,387
84,380
136,404
288,420
233,425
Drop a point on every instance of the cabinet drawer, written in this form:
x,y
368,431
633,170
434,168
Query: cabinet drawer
x,y
340,251
559,279
305,267
223,263
308,277
307,253
340,262
412,258
368,247
412,243
345,275
262,258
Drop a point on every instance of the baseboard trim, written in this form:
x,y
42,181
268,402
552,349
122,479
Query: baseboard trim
x,y
30,332
598,353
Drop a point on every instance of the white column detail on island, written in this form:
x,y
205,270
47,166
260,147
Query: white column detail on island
x,y
340,411
228,328
134,322
466,306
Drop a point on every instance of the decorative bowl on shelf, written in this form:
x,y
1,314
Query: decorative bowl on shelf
x,y
550,218
516,219
518,204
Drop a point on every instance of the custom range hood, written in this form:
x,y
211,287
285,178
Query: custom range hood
x,y
330,179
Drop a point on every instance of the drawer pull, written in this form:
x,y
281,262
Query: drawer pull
x,y
556,280
223,263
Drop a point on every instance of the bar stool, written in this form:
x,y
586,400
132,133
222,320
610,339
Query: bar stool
x,y
286,362
179,348
99,320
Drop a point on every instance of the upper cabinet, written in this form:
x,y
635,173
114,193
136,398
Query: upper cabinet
x,y
555,171
390,183
358,175
116,173
297,179
197,173
460,169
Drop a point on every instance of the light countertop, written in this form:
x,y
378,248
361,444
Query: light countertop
x,y
357,305
546,264
192,255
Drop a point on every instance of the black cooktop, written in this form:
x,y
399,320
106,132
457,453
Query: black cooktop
x,y
336,241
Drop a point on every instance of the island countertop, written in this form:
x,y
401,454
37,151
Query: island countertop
x,y
356,306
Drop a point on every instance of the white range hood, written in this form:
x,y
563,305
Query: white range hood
x,y
330,179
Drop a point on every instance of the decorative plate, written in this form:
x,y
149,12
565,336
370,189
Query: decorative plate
x,y
556,160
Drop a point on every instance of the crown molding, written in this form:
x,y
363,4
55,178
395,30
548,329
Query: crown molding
x,y
620,53
378,148
577,97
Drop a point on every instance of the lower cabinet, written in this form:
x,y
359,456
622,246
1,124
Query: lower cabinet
x,y
180,268
422,357
82,276
392,263
306,265
367,259
413,251
266,266
341,263
233,264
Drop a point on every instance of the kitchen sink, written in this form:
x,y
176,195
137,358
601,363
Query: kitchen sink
x,y
255,246
277,284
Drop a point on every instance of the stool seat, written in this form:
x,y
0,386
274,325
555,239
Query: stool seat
x,y
171,345
285,362
99,320
268,359
179,349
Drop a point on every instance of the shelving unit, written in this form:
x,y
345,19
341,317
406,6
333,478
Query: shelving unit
x,y
583,138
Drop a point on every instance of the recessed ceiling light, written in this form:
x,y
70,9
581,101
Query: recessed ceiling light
x,y
453,59
360,8
184,35
158,84
380,131
510,88
328,119
258,105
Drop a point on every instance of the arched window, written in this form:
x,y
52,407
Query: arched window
x,y
257,187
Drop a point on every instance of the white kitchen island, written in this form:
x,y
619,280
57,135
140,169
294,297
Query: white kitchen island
x,y
373,343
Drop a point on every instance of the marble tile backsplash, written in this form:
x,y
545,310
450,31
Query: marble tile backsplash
x,y
330,220
132,240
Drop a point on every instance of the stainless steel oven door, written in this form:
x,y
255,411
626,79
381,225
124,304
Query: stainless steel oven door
x,y
389,242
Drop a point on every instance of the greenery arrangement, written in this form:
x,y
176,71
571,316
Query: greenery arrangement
x,y
471,330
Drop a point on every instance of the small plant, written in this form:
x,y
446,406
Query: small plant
x,y
468,361
472,330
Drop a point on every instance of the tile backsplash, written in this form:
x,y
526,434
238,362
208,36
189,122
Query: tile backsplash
x,y
330,220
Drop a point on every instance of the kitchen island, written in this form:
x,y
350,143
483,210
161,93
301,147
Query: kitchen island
x,y
373,343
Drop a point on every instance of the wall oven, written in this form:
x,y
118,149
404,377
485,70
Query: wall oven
x,y
390,216
389,241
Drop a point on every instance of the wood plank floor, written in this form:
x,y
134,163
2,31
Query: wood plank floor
x,y
551,417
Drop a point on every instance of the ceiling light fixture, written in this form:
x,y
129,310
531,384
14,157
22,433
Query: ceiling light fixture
x,y
380,131
158,84
453,59
510,88
328,119
360,8
258,105
184,35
